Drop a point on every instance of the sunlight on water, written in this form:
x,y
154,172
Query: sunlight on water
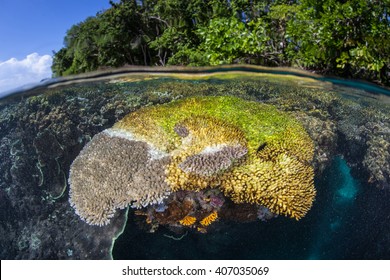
x,y
349,187
336,210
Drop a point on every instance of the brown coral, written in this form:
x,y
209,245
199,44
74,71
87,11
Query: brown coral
x,y
109,173
213,160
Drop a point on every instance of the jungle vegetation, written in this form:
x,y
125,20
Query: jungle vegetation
x,y
339,37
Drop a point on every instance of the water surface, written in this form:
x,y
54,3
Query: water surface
x,y
43,129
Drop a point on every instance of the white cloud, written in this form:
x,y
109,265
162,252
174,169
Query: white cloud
x,y
32,69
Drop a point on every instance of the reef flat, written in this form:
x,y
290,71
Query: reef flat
x,y
42,135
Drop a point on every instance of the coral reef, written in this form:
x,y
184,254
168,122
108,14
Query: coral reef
x,y
363,138
43,132
377,158
112,172
40,136
212,159
284,185
324,135
198,211
252,152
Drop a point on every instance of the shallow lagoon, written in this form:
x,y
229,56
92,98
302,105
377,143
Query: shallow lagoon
x,y
44,129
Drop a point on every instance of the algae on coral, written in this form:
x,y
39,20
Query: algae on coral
x,y
217,146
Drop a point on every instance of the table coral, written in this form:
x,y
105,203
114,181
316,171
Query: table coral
x,y
110,173
252,152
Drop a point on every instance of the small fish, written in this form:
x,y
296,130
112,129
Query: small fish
x,y
261,147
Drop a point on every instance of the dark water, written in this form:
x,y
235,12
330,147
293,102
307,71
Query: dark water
x,y
44,129
339,226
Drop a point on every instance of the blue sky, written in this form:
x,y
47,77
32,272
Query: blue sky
x,y
31,30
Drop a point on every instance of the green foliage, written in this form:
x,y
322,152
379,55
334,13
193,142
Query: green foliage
x,y
120,35
348,38
229,40
222,40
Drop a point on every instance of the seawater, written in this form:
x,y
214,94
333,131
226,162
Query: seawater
x,y
350,218
324,234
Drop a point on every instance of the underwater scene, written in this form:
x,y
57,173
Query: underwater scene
x,y
195,163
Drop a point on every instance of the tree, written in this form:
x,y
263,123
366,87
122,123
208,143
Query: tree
x,y
349,38
117,36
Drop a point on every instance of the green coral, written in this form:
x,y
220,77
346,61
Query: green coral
x,y
260,123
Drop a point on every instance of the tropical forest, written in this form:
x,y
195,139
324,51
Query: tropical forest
x,y
345,38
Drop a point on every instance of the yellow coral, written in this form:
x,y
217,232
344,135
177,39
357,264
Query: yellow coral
x,y
251,151
187,221
293,142
284,185
156,124
276,171
209,219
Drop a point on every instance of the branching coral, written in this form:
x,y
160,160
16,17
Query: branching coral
x,y
252,152
284,185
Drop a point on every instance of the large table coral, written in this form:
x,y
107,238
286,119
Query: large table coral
x,y
250,152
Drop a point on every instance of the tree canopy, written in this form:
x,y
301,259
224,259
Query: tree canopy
x,y
350,38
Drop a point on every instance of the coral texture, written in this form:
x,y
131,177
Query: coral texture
x,y
111,172
43,132
209,219
250,151
187,221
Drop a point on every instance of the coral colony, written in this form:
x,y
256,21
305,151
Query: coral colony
x,y
194,161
